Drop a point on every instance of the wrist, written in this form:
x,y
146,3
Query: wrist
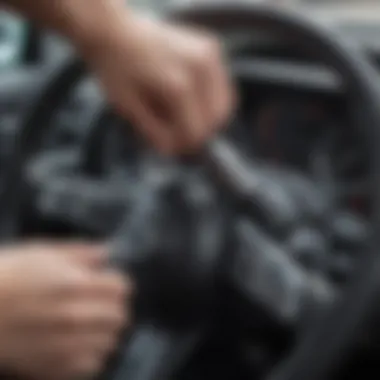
x,y
79,20
91,25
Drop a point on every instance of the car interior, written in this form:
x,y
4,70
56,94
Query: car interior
x,y
257,258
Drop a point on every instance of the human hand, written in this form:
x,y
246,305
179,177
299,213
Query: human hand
x,y
169,81
61,311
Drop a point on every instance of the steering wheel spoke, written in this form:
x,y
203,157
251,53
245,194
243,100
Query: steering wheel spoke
x,y
266,273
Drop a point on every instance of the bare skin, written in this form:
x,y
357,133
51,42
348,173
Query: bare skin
x,y
170,81
61,311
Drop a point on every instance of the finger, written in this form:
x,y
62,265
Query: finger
x,y
90,317
214,84
100,344
92,342
82,252
226,103
90,255
73,354
143,115
184,110
77,283
112,285
76,356
219,94
204,64
86,366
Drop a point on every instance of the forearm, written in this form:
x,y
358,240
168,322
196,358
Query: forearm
x,y
84,22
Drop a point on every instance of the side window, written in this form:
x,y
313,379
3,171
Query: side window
x,y
13,36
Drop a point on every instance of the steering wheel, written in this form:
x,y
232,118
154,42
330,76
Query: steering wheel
x,y
179,280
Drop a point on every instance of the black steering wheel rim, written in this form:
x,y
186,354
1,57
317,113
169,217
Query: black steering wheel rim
x,y
337,329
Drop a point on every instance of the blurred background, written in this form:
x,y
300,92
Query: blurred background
x,y
282,91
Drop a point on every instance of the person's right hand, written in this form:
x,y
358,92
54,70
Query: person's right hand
x,y
169,81
61,310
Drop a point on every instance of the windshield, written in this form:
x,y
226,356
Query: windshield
x,y
12,39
